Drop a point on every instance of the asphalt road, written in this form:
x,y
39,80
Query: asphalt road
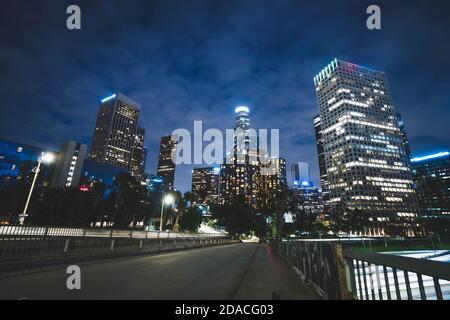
x,y
239,271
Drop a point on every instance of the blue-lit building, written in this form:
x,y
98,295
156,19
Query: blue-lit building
x,y
431,175
307,198
14,158
156,184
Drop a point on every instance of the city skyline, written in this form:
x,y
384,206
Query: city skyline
x,y
273,77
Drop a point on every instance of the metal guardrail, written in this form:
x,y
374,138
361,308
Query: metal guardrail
x,y
13,230
375,276
346,274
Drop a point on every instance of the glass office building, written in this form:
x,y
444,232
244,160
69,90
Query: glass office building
x,y
115,131
364,157
166,167
431,175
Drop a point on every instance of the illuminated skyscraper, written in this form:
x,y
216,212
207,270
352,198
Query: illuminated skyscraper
x,y
205,186
300,173
275,180
139,156
242,118
322,166
432,178
115,131
401,126
366,163
166,167
240,175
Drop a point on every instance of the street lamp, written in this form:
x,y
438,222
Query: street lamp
x,y
168,200
46,157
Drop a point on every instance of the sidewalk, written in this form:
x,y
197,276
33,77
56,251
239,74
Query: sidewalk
x,y
269,277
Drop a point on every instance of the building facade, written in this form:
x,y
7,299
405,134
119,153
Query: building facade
x,y
13,156
307,199
156,185
300,173
69,164
275,180
431,175
401,126
17,163
322,166
366,167
115,131
205,186
166,167
139,156
240,174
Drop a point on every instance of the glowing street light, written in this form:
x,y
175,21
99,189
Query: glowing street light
x,y
46,157
167,200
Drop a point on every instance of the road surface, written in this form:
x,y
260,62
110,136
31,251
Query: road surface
x,y
238,271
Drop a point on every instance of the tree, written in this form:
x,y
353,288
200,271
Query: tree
x,y
354,221
14,195
129,201
174,213
191,219
273,207
68,207
236,218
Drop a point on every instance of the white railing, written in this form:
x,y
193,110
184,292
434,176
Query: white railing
x,y
10,230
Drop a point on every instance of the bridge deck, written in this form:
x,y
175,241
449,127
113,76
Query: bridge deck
x,y
241,271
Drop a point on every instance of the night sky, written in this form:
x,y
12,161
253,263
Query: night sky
x,y
196,60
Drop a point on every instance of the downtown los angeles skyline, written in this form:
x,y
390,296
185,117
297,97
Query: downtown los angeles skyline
x,y
197,61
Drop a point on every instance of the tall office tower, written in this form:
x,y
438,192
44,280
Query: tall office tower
x,y
69,164
365,159
322,166
401,126
275,179
240,174
115,131
205,186
166,167
300,173
431,175
139,156
242,120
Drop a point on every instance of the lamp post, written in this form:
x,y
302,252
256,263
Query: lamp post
x,y
168,199
46,157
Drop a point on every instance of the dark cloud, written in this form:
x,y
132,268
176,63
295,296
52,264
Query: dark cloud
x,y
196,60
